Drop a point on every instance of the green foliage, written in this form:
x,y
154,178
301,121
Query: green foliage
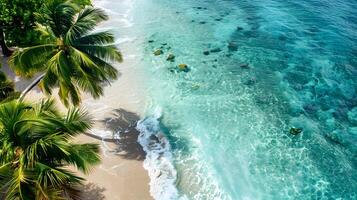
x,y
73,57
82,2
17,20
7,89
18,17
36,149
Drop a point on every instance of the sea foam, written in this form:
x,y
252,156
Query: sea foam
x,y
159,159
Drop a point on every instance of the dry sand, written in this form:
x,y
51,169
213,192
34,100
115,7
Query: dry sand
x,y
120,175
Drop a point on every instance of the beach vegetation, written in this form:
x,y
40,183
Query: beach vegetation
x,y
71,56
17,20
62,50
7,88
82,2
37,149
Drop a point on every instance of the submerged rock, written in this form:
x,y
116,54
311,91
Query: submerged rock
x,y
232,46
170,57
183,67
251,81
206,53
244,65
195,86
295,131
158,52
200,8
215,50
239,28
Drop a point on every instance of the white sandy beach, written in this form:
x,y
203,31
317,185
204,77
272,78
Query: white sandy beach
x,y
121,175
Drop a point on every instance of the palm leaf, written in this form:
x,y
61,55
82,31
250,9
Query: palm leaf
x,y
77,121
36,150
97,38
30,60
85,21
84,156
106,53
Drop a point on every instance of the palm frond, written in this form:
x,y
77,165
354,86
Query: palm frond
x,y
108,53
85,21
111,73
46,34
36,150
48,82
73,57
59,16
55,176
6,173
30,60
69,92
96,38
77,121
84,156
89,84
46,107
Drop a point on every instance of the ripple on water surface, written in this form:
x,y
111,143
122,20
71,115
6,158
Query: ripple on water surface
x,y
255,69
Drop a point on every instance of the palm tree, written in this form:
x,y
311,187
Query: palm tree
x,y
36,150
72,55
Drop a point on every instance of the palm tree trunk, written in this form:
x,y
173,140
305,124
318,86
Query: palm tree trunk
x,y
5,50
100,138
31,86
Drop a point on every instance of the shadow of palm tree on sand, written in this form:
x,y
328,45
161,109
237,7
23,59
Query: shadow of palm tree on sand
x,y
122,124
91,191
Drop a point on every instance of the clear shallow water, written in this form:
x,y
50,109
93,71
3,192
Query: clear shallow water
x,y
228,124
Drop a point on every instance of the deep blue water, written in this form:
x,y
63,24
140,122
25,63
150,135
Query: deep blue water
x,y
257,68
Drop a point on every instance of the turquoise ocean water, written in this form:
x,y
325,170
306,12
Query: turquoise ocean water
x,y
256,69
